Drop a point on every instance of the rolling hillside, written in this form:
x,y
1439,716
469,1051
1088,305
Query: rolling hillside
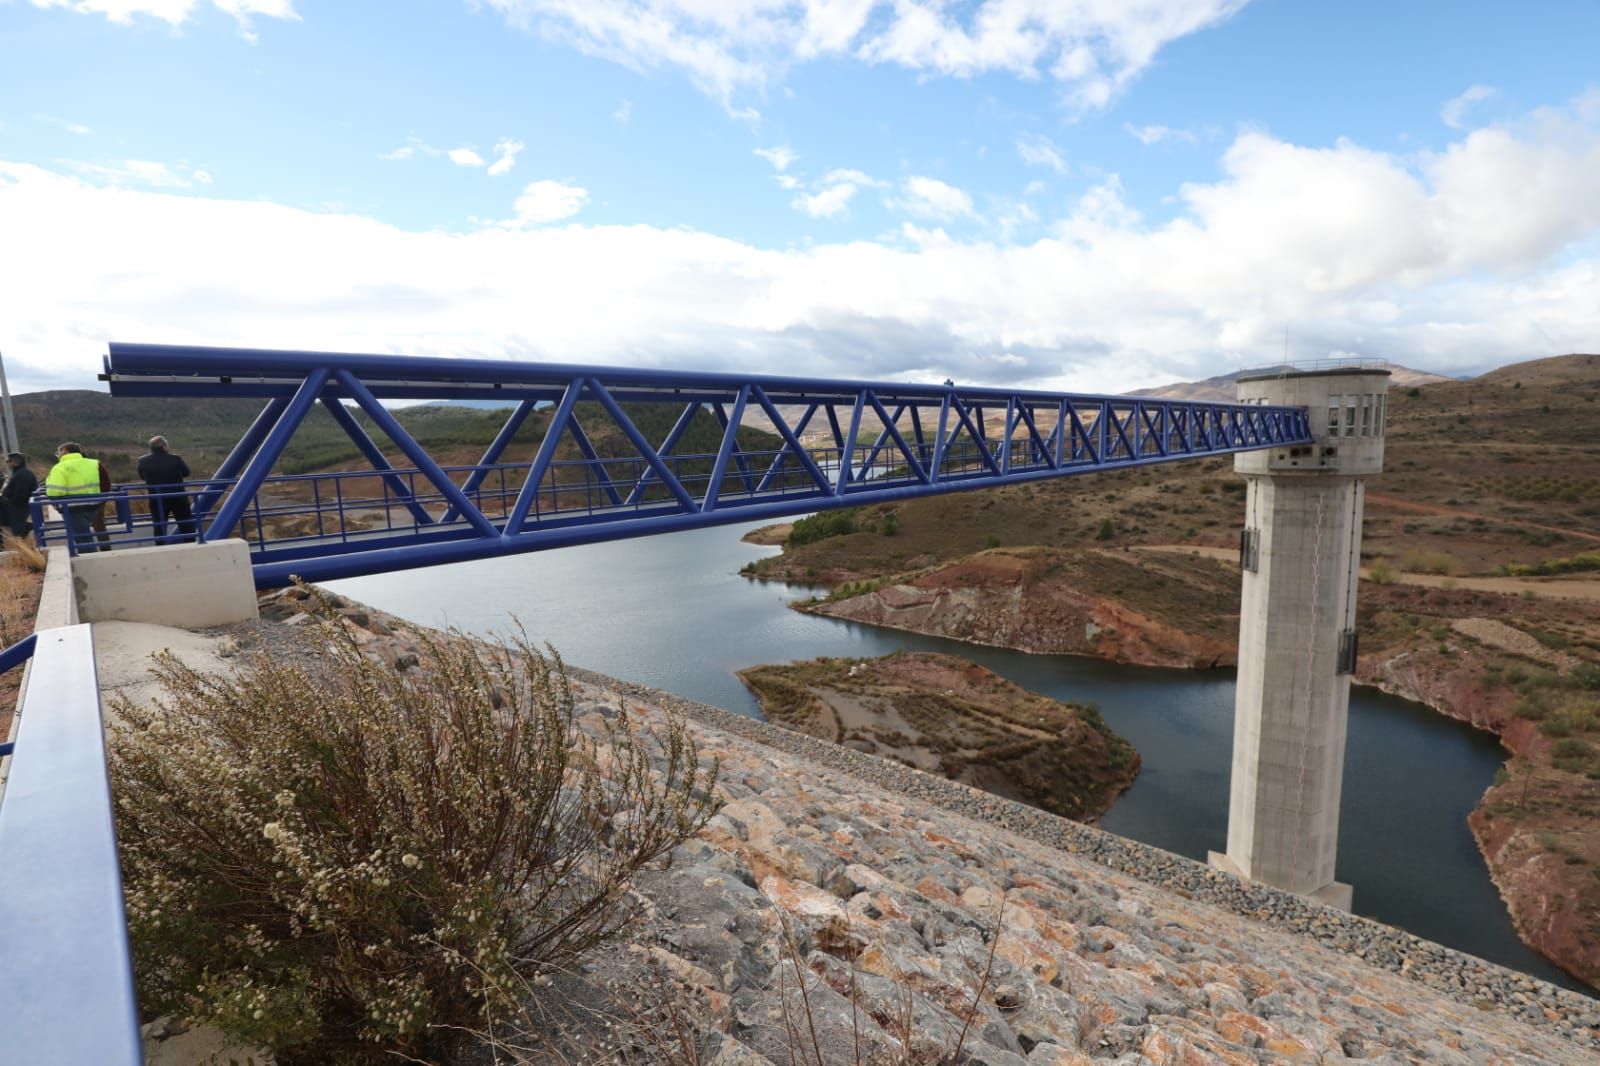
x,y
115,430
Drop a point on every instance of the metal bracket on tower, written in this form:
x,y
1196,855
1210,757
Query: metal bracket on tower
x,y
1349,646
1250,549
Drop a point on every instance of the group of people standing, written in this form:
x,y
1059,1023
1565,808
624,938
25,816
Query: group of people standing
x,y
76,476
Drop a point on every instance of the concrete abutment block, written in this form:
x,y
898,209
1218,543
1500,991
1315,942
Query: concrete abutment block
x,y
189,586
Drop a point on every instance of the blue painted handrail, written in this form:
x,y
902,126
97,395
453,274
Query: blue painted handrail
x,y
10,659
66,980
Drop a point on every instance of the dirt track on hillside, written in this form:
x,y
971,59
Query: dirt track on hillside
x,y
1551,588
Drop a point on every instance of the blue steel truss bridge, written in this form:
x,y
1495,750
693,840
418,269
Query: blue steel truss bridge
x,y
823,444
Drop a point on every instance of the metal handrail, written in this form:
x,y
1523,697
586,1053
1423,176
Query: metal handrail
x,y
1302,366
392,507
10,659
66,977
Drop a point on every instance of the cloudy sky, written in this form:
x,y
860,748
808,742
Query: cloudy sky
x,y
1084,194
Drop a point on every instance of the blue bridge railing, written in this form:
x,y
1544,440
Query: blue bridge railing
x,y
65,976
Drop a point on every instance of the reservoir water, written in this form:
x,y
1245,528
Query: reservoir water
x,y
671,612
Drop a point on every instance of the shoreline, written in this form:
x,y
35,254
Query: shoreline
x,y
1082,777
1543,922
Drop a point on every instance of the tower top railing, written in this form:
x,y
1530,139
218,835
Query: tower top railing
x,y
1312,366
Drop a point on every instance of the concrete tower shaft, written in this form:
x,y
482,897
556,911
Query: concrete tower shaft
x,y
1300,553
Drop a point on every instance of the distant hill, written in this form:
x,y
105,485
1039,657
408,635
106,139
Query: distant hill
x,y
1220,389
115,429
1577,369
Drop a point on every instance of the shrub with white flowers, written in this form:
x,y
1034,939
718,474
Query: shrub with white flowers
x,y
342,861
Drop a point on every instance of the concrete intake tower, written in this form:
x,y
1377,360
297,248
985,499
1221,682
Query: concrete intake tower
x,y
1300,553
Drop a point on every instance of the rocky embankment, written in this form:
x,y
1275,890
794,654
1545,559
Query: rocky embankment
x,y
873,909
956,719
1468,654
1049,601
1535,826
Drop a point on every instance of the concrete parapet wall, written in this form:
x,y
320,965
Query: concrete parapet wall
x,y
190,586
57,608
57,604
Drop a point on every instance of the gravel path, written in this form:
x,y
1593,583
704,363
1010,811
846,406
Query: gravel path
x,y
1509,638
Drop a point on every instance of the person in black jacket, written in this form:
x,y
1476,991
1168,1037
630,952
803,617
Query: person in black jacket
x,y
160,471
20,486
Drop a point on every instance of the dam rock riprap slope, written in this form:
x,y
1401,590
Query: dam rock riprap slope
x,y
893,882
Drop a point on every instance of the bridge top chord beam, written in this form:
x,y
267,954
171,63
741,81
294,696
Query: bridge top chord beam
x,y
180,370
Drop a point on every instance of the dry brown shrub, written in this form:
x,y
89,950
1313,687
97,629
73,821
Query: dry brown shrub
x,y
27,553
346,862
21,576
1418,561
20,579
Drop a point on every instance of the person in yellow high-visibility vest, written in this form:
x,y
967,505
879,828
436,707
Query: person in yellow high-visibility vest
x,y
73,475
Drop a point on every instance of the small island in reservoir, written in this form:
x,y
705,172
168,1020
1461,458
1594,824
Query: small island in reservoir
x,y
956,719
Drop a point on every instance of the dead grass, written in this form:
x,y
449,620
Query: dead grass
x,y
21,576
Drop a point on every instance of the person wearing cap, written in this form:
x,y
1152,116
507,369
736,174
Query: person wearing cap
x,y
164,474
74,477
21,484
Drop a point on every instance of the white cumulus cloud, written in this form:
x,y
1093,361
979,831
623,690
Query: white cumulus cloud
x,y
548,201
1039,151
830,202
506,152
1095,48
174,12
931,198
1158,134
1485,251
831,194
1453,113
780,157
77,128
146,172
